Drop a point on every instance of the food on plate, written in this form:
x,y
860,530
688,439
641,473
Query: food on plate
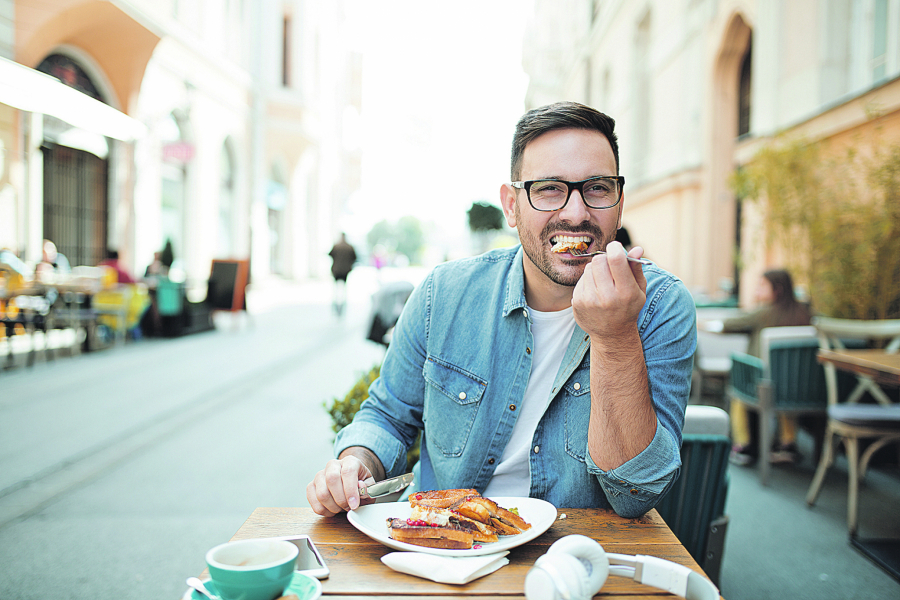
x,y
448,512
441,498
565,243
442,516
421,533
506,522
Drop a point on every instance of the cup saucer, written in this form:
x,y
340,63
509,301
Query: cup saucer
x,y
304,586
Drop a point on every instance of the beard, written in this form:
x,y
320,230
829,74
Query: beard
x,y
537,249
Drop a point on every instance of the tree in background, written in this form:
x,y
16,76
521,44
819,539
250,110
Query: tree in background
x,y
485,217
404,236
484,221
837,216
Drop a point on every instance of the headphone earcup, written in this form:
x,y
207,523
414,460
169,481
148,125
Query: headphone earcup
x,y
589,554
557,577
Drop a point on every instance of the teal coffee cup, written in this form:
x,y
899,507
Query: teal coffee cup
x,y
258,569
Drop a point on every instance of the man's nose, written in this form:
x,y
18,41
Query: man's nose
x,y
575,210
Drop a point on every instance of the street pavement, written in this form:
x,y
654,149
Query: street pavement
x,y
120,468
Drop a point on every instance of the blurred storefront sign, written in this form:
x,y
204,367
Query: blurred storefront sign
x,y
178,152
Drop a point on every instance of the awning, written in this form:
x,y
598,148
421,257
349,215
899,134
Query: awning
x,y
32,91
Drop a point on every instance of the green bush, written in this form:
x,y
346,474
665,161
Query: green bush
x,y
837,216
342,410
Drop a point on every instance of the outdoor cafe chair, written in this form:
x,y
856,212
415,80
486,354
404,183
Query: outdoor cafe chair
x,y
694,507
849,421
786,379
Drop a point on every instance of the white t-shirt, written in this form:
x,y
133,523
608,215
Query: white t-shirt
x,y
552,332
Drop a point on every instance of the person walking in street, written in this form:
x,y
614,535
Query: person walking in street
x,y
532,371
343,257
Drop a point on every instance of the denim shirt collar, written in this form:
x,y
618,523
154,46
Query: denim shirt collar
x,y
515,284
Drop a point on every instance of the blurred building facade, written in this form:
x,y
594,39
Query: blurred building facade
x,y
235,137
697,86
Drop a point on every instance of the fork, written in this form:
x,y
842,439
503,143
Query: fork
x,y
579,253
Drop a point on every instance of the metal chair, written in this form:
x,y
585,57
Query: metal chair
x,y
849,421
694,507
787,379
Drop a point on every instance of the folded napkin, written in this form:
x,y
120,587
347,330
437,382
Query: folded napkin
x,y
445,569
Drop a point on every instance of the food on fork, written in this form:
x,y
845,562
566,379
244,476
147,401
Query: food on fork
x,y
565,243
420,533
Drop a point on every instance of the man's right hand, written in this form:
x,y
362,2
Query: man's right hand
x,y
335,488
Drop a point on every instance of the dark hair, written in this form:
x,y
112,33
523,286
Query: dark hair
x,y
562,115
785,309
622,237
112,254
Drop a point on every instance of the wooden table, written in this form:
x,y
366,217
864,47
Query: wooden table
x,y
357,571
881,366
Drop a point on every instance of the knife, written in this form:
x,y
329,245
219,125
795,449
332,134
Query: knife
x,y
385,487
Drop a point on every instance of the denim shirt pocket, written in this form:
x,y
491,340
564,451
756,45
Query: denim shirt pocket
x,y
452,399
577,391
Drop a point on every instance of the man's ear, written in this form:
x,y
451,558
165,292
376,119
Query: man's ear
x,y
508,202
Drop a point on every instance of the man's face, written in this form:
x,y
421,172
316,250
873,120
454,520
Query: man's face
x,y
570,155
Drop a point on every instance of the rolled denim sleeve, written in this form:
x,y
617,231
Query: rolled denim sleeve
x,y
388,422
637,485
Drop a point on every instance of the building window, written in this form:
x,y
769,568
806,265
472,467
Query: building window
x,y
879,41
642,93
286,51
227,198
744,93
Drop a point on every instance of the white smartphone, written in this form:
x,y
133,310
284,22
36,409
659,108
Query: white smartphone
x,y
309,560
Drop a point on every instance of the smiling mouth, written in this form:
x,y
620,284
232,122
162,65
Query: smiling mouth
x,y
566,243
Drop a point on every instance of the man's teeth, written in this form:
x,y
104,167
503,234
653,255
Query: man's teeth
x,y
570,240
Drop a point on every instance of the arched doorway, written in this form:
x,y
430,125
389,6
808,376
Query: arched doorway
x,y
177,151
732,89
76,175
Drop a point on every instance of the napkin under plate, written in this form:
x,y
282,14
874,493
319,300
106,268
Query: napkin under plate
x,y
445,569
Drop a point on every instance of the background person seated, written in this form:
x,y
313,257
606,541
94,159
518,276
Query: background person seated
x,y
112,260
778,308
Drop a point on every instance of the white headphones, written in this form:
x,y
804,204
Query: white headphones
x,y
576,567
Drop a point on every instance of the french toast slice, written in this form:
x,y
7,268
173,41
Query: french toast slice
x,y
419,533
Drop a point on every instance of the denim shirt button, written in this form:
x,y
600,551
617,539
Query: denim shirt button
x,y
525,312
512,407
527,350
634,491
577,386
537,449
462,395
490,461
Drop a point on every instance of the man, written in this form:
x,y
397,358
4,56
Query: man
x,y
532,372
342,258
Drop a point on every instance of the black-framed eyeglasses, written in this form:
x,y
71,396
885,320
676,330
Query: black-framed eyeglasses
x,y
549,195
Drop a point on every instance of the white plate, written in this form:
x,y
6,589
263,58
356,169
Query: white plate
x,y
372,521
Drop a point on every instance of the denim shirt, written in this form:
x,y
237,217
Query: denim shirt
x,y
457,368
